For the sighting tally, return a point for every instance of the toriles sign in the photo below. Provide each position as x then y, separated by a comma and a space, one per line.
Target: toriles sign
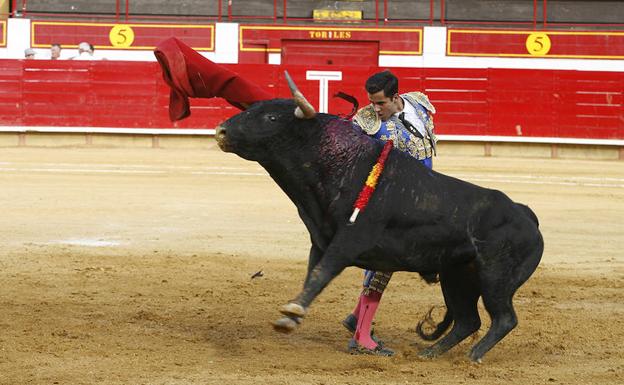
392, 41
337, 35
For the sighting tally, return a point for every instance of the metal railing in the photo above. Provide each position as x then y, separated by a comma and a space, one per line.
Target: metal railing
226, 11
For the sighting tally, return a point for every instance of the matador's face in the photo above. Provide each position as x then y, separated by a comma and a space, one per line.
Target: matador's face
384, 105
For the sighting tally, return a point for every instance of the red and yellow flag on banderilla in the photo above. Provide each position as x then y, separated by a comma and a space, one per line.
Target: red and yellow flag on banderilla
371, 182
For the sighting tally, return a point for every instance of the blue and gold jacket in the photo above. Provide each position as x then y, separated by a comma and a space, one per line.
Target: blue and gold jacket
419, 148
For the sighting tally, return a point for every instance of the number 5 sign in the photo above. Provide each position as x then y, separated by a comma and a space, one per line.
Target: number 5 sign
538, 44
121, 36
118, 36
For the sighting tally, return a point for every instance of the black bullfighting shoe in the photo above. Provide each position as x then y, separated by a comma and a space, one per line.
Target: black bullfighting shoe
379, 350
350, 323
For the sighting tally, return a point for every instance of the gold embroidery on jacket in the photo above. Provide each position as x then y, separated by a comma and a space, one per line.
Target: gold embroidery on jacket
379, 282
420, 98
420, 149
368, 120
412, 145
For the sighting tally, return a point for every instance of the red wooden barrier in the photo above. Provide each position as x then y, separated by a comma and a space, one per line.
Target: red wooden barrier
499, 102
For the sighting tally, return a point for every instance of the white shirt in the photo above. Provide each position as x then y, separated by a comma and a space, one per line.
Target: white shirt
412, 116
85, 56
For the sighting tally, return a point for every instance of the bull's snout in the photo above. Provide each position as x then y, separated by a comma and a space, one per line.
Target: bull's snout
221, 137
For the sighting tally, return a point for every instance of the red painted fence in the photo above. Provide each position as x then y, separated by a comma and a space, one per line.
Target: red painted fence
507, 102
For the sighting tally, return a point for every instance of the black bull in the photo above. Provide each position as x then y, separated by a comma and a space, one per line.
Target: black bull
478, 240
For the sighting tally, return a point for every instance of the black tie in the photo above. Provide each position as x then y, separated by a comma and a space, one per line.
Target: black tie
410, 127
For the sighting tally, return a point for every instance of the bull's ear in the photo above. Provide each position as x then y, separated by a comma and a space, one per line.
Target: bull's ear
304, 109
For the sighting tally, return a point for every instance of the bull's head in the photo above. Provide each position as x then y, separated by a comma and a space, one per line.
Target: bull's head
254, 133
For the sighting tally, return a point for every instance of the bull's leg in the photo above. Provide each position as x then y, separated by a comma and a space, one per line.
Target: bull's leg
342, 251
500, 282
289, 323
460, 287
504, 320
326, 270
495, 264
313, 259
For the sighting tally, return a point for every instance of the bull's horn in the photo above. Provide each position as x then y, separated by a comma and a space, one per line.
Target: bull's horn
304, 108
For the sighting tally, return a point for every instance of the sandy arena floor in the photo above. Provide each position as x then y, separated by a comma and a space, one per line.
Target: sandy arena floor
132, 266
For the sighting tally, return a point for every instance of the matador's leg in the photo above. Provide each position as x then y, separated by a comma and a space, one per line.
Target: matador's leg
361, 320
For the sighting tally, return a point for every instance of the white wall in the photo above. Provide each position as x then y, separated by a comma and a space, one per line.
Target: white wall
18, 39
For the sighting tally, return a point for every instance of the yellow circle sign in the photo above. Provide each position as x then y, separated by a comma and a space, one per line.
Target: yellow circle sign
121, 36
538, 44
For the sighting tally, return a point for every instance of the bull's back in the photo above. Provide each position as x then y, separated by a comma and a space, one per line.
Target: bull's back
526, 210
416, 194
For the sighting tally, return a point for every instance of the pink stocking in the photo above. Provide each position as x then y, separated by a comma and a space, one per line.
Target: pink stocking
367, 308
356, 311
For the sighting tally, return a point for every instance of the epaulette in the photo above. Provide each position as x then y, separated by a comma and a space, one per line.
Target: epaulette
368, 120
421, 99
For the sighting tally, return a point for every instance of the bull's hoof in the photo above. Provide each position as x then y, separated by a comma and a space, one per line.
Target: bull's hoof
292, 310
428, 353
474, 358
285, 325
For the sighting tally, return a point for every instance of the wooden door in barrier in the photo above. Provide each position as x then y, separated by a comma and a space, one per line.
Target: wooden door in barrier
338, 53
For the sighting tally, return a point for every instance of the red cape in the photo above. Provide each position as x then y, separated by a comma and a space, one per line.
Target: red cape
189, 74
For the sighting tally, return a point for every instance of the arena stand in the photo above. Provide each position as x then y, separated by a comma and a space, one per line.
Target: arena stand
542, 78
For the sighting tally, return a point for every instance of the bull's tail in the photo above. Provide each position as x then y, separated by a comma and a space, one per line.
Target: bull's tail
528, 212
440, 328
